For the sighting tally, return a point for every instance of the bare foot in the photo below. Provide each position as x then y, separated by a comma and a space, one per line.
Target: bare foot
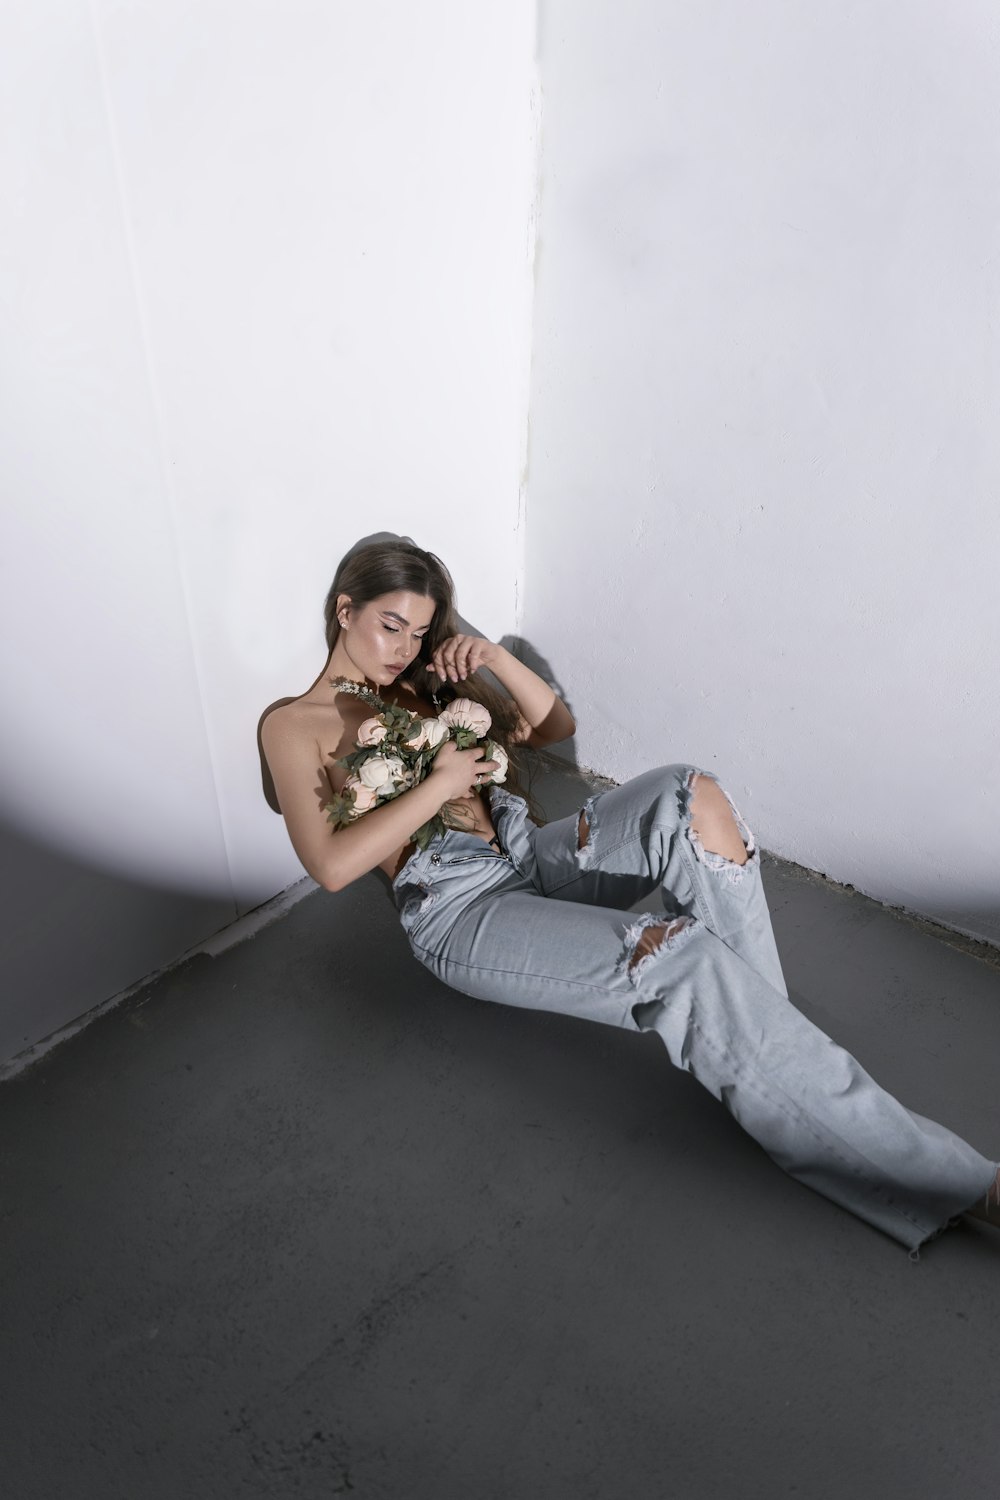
988, 1207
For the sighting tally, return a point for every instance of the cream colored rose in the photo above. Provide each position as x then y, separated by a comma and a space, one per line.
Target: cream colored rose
465, 713
364, 797
374, 772
371, 732
383, 773
435, 733
497, 752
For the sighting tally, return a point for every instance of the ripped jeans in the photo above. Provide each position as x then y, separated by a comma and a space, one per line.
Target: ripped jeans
544, 923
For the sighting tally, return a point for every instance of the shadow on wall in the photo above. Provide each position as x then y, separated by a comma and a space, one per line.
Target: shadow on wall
73, 936
563, 756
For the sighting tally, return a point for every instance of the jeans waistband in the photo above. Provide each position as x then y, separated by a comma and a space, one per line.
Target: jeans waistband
452, 844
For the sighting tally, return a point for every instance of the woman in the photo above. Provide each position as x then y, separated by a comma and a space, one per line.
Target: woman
505, 907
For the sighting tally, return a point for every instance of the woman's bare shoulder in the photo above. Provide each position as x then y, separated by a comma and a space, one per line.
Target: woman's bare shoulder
287, 723
293, 716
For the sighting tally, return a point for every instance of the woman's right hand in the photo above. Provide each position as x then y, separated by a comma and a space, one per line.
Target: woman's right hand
454, 772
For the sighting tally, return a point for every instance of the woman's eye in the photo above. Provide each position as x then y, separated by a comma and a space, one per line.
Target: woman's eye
391, 629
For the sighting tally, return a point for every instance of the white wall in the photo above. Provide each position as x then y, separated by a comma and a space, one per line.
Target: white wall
265, 289
764, 448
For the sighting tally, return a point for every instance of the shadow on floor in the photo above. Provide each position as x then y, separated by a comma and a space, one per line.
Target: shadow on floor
299, 1221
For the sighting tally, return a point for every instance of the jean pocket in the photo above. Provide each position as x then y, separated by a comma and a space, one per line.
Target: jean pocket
413, 900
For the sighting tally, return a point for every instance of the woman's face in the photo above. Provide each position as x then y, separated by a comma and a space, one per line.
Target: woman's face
384, 635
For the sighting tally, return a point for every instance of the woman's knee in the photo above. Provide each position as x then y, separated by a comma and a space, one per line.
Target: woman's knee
697, 801
716, 827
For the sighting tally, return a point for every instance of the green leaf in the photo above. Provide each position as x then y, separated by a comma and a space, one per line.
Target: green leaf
339, 811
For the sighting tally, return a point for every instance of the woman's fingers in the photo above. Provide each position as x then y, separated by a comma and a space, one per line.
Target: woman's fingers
485, 769
447, 659
458, 656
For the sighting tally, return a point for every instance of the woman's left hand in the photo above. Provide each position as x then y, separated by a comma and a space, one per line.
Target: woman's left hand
459, 655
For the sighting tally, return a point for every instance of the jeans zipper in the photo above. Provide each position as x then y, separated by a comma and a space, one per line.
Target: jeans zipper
464, 859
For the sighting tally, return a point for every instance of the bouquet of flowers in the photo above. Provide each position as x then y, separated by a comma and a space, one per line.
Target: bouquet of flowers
395, 751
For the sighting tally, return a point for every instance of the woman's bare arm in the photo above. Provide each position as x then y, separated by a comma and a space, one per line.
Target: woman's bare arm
335, 858
545, 719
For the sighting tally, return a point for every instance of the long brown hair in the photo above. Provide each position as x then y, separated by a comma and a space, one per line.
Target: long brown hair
400, 565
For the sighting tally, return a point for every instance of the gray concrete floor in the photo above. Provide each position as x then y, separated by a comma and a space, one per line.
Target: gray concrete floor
299, 1221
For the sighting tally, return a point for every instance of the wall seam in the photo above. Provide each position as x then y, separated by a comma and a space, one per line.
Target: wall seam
531, 251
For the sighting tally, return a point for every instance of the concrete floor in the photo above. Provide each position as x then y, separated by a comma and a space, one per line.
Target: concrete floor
298, 1221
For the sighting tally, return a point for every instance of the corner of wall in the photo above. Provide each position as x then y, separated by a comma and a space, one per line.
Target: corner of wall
533, 186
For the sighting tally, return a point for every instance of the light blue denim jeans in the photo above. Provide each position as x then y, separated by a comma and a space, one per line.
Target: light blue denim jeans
545, 924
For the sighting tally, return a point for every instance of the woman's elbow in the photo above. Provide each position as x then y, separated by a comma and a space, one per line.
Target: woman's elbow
334, 878
328, 876
554, 735
337, 877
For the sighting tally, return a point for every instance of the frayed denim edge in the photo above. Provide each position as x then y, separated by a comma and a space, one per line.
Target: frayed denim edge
914, 1254
993, 1189
677, 931
727, 868
584, 852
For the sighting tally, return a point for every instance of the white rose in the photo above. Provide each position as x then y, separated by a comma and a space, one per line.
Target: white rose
497, 752
435, 733
383, 773
364, 797
373, 773
371, 732
465, 713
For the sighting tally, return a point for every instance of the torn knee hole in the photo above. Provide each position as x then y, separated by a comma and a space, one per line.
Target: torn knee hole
584, 830
648, 943
715, 819
653, 938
